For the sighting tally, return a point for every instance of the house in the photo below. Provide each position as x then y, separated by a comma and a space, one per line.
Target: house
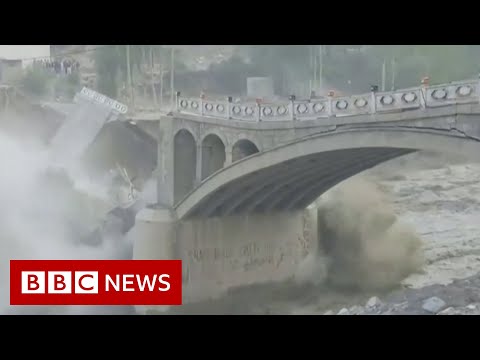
15, 58
24, 53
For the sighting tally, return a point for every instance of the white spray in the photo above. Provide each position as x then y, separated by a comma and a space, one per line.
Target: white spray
44, 217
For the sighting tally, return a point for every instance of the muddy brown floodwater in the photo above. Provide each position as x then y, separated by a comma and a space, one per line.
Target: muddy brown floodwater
442, 205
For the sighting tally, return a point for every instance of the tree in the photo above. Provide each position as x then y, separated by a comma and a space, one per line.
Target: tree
353, 68
111, 64
35, 81
229, 77
284, 63
442, 63
107, 66
67, 86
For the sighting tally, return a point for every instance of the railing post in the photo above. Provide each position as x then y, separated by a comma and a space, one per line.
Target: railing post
292, 106
229, 107
330, 95
373, 98
423, 91
259, 114
202, 98
177, 100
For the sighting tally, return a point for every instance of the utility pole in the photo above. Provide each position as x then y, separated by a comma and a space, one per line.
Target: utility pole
320, 67
310, 58
172, 84
393, 74
161, 84
154, 91
143, 69
129, 77
314, 67
384, 73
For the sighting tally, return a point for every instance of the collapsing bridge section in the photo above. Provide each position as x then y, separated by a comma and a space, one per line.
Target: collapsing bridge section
92, 111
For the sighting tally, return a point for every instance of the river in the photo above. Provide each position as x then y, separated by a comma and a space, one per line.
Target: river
438, 197
443, 206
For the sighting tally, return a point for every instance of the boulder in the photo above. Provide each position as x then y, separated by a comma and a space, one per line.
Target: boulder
433, 305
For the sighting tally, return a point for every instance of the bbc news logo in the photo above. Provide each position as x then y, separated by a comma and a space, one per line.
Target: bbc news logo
95, 282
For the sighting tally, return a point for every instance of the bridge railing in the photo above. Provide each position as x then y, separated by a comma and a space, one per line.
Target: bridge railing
460, 92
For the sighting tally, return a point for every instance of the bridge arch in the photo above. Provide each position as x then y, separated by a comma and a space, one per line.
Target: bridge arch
243, 148
213, 154
185, 160
291, 176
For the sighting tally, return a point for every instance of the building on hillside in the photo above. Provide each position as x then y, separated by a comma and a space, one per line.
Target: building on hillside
24, 53
15, 58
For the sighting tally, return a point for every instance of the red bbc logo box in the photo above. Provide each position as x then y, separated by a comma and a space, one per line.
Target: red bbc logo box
95, 282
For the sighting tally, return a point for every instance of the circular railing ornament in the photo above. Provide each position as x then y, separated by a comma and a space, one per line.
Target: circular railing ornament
220, 108
121, 108
86, 92
248, 111
302, 108
439, 94
282, 110
387, 100
341, 105
267, 111
208, 107
318, 108
194, 105
184, 104
464, 90
360, 103
236, 110
409, 97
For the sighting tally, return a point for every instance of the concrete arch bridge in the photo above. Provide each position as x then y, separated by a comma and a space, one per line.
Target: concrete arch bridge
234, 179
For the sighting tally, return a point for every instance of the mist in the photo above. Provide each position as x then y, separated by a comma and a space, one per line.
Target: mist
45, 214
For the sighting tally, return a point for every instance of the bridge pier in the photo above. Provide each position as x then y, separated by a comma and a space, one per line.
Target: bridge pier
198, 170
228, 155
225, 252
154, 237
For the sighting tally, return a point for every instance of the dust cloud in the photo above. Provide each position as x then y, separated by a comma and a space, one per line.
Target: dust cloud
44, 215
366, 246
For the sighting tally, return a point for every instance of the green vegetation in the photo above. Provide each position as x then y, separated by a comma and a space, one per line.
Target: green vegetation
39, 82
355, 67
111, 64
348, 68
106, 61
35, 81
67, 86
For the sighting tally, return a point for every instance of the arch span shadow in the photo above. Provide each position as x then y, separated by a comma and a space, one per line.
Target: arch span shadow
213, 155
243, 148
292, 176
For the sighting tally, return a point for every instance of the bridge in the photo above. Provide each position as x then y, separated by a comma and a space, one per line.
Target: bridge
234, 178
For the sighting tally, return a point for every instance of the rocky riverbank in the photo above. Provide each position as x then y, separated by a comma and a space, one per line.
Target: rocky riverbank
461, 297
